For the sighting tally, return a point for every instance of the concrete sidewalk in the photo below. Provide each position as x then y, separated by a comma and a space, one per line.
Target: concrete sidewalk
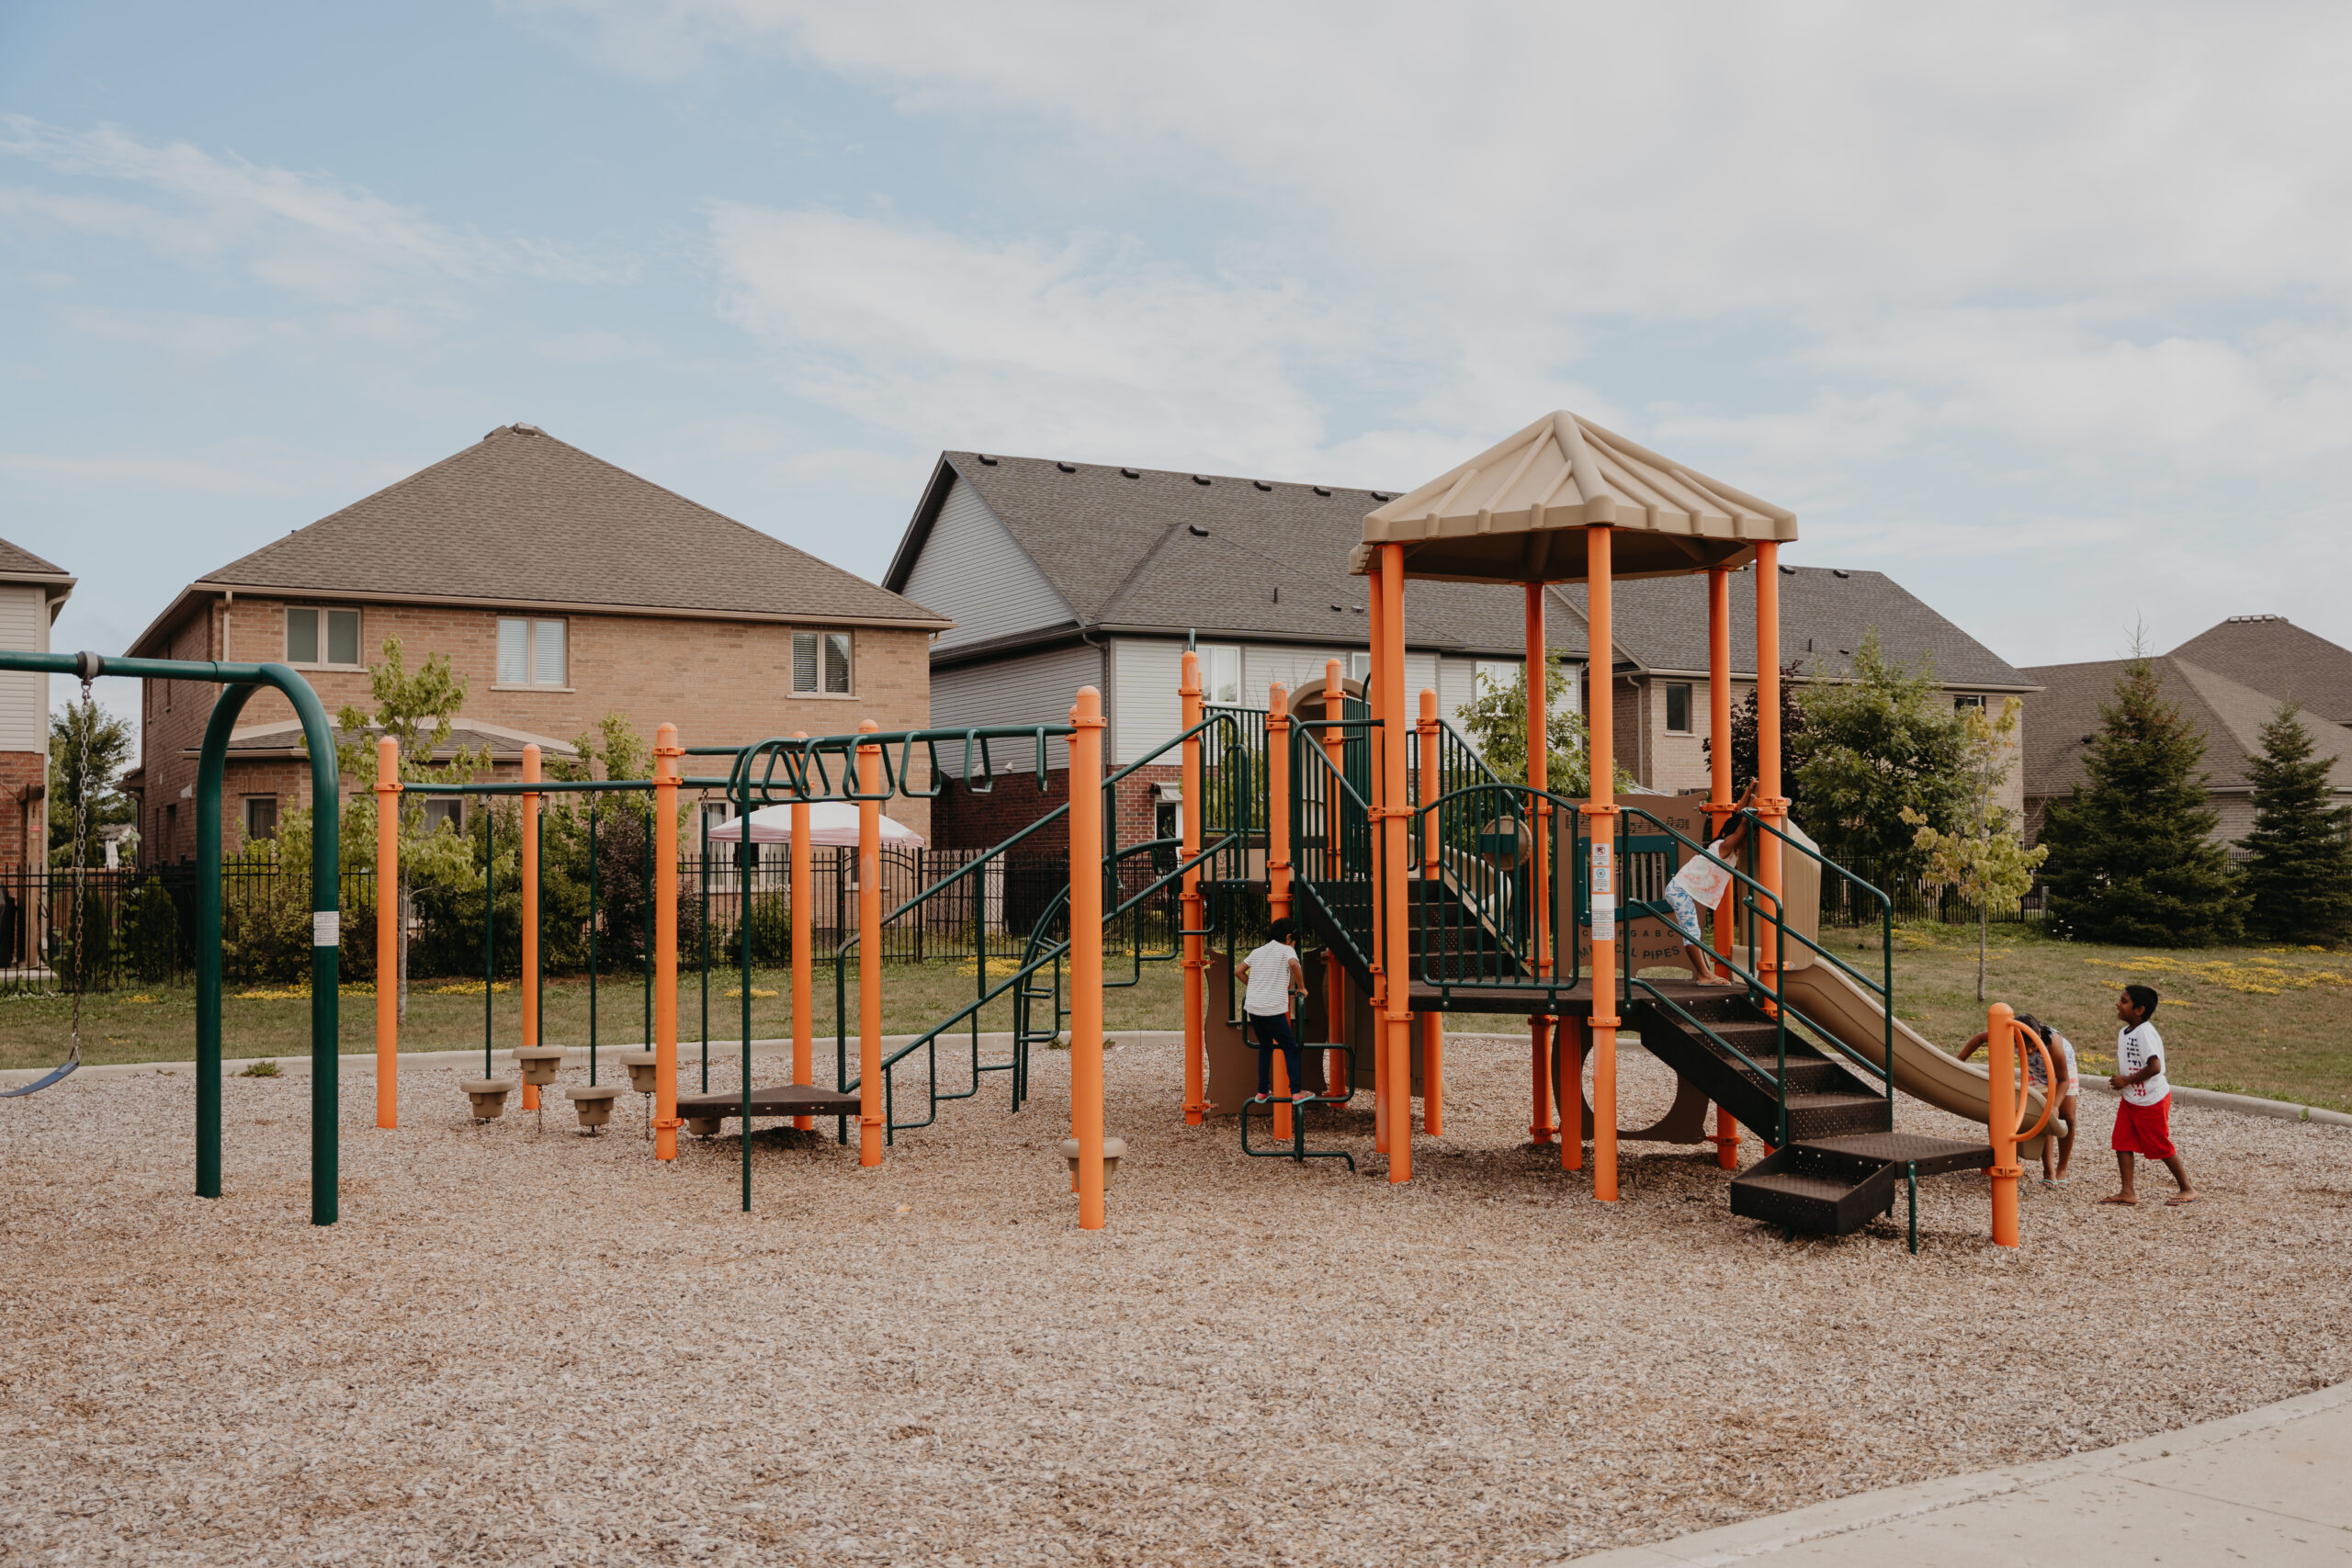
2272, 1486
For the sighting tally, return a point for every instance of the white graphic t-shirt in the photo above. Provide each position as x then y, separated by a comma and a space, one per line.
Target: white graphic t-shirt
1704, 879
1268, 993
2134, 1048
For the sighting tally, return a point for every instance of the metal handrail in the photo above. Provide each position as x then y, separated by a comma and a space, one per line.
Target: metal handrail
1885, 988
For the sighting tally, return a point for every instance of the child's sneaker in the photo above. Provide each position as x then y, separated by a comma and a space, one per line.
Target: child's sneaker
1261, 1098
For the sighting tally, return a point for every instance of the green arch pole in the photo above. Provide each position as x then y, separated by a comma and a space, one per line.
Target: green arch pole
326, 792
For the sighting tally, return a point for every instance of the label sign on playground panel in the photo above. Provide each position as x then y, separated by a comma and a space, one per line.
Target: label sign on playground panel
1604, 892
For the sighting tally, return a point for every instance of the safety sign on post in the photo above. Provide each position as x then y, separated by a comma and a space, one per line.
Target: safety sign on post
1604, 892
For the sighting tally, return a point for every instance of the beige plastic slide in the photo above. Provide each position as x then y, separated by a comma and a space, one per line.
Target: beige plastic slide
1846, 1010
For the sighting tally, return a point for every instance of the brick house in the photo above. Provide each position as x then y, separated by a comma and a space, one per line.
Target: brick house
562, 588
1060, 575
2228, 680
32, 591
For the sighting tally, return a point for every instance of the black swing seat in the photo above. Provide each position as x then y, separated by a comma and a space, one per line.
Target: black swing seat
55, 1074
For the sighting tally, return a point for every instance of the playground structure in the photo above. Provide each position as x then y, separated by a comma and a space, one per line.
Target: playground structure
1433, 885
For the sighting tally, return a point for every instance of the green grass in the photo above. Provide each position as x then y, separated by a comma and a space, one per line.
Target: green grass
2267, 1020
157, 1024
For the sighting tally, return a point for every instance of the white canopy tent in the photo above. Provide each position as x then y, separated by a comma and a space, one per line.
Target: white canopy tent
829, 822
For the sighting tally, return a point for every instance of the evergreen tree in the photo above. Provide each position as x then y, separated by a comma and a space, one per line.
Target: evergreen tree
2132, 858
2298, 857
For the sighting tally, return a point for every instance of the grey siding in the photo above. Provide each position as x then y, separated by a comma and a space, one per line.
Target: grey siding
970, 568
1036, 688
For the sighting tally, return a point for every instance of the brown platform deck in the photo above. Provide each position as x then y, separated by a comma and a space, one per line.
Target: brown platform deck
780, 1099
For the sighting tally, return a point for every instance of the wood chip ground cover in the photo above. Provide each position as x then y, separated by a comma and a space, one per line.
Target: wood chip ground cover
527, 1348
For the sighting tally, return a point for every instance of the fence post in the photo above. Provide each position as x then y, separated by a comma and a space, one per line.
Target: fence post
388, 925
527, 983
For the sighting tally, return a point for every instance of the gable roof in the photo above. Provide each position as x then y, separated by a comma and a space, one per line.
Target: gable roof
1516, 513
1154, 551
284, 739
1660, 626
2273, 655
18, 564
523, 519
2062, 717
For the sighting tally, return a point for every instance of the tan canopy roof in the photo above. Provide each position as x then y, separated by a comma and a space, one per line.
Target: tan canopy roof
1516, 513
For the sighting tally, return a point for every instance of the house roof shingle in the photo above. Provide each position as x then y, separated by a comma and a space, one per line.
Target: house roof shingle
1660, 623
2065, 714
1148, 549
2273, 655
522, 518
17, 561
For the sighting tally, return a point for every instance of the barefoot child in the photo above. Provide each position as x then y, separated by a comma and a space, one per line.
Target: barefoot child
2062, 1056
2143, 1116
1703, 881
1274, 976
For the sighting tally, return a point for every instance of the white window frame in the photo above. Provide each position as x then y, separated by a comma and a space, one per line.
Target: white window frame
1968, 700
530, 625
324, 643
825, 636
1220, 658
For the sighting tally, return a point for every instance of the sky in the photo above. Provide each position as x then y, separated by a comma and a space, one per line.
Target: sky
2040, 308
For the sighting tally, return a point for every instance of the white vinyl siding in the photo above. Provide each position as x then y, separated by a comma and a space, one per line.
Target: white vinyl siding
1146, 710
1294, 667
1036, 688
971, 571
1457, 687
24, 695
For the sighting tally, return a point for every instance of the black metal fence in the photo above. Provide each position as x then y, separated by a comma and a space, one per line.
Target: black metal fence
1914, 899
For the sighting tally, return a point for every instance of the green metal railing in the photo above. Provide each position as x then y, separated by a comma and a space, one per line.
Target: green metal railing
1475, 927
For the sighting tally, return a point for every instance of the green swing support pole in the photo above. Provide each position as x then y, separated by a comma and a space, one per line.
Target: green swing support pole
241, 682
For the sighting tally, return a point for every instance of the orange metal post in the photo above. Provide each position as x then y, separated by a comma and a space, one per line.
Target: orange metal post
1396, 1042
1719, 798
804, 958
1188, 904
1600, 725
530, 987
1539, 767
1337, 1067
388, 932
1432, 1024
1771, 804
1376, 688
666, 752
2000, 1031
1086, 951
869, 949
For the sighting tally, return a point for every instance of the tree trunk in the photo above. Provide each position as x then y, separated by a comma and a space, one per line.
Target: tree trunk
1980, 953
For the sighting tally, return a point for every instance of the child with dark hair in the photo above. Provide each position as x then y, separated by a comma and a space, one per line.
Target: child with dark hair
1274, 976
2143, 1116
2063, 1096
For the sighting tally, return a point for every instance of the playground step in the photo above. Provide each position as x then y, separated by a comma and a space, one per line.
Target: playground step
1834, 1186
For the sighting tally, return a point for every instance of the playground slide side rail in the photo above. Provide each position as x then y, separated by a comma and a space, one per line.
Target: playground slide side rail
1883, 987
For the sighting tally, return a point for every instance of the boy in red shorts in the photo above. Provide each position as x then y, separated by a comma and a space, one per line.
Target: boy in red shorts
2143, 1116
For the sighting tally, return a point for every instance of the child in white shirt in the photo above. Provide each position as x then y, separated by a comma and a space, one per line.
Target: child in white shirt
2061, 1057
1702, 881
2143, 1116
1274, 976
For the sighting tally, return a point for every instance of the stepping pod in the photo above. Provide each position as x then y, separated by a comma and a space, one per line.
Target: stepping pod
489, 1096
539, 1064
642, 1079
1113, 1150
593, 1106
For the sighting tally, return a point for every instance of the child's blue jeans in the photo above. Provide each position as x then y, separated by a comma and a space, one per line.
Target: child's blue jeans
1274, 1033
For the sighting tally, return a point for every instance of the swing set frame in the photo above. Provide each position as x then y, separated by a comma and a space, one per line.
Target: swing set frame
239, 683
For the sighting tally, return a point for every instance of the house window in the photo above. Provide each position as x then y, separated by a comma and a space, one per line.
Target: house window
1678, 708
1969, 700
1495, 675
1359, 666
322, 636
261, 817
820, 663
1221, 674
532, 653
445, 811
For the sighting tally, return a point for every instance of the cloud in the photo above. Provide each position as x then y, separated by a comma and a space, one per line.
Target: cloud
310, 236
1085, 348
135, 471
